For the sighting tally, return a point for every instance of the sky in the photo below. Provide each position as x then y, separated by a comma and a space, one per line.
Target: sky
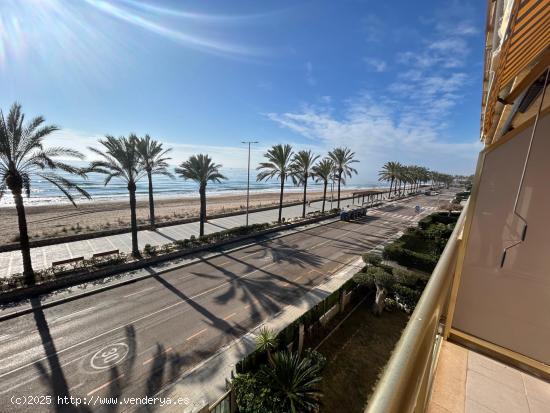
395, 80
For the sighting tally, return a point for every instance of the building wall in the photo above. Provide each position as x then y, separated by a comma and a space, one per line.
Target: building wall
510, 306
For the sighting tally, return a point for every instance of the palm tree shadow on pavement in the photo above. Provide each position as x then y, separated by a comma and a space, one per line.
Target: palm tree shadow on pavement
215, 321
54, 379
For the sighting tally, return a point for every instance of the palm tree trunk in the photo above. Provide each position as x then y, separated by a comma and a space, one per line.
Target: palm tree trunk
281, 199
305, 192
339, 181
391, 185
202, 217
324, 196
151, 200
133, 219
24, 238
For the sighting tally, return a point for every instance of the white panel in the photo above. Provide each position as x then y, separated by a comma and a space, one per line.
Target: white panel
510, 306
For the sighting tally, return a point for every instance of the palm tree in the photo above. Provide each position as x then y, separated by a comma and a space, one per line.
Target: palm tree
267, 341
389, 172
154, 159
277, 166
302, 170
121, 160
201, 169
401, 178
293, 380
22, 158
342, 158
323, 172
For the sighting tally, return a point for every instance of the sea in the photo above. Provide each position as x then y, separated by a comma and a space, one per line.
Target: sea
44, 193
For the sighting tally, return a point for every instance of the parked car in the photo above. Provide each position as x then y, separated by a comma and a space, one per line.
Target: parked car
348, 215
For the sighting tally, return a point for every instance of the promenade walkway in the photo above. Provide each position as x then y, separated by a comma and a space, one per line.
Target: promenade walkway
42, 257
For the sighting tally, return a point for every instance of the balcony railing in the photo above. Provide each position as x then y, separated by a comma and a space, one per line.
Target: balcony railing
406, 382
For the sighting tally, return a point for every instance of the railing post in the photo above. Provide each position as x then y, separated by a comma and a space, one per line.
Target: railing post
300, 338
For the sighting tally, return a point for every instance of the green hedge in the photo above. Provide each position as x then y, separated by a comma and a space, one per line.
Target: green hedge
409, 258
406, 295
438, 218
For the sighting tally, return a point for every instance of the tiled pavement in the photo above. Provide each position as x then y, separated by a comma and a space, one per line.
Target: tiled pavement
468, 382
42, 257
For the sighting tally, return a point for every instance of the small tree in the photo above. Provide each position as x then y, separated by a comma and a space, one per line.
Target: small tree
302, 170
382, 280
266, 340
155, 162
278, 165
372, 258
120, 159
292, 380
323, 171
23, 158
342, 158
201, 169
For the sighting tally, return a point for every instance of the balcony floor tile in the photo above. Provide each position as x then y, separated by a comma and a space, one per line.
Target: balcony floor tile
466, 381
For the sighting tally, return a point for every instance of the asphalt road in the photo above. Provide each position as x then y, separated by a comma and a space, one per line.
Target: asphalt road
134, 339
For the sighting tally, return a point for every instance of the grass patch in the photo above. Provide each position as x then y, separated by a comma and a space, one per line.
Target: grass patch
356, 356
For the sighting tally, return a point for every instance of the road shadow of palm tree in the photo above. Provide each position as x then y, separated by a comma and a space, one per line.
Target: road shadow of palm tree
50, 371
273, 254
169, 366
263, 294
211, 318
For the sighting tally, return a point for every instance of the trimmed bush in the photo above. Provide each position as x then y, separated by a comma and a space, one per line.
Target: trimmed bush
408, 258
372, 258
407, 296
150, 250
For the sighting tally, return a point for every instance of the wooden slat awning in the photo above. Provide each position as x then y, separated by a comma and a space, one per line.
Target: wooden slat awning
528, 38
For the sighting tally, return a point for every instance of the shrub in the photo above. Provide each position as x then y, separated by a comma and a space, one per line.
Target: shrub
390, 304
407, 296
438, 230
405, 277
408, 258
316, 358
252, 396
149, 250
375, 276
372, 258
181, 243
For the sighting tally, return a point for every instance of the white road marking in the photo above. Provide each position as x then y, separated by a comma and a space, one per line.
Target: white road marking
86, 310
168, 350
104, 385
196, 334
138, 292
229, 316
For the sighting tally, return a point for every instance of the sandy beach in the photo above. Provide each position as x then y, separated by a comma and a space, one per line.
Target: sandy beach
63, 219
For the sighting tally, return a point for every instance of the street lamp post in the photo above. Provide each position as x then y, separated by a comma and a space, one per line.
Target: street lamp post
248, 179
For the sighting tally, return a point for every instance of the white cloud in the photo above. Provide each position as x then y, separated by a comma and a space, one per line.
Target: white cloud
378, 65
228, 156
379, 132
